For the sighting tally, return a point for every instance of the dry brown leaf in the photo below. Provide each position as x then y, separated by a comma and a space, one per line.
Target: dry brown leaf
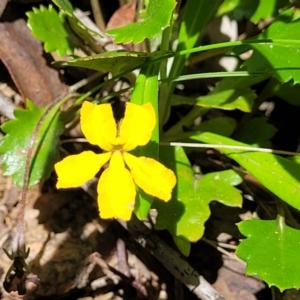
234, 284
21, 53
2, 6
123, 16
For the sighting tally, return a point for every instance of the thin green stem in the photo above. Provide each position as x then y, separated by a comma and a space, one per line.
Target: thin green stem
163, 91
282, 42
226, 46
213, 75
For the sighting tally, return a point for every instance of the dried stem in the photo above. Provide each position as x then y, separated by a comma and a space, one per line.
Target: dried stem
122, 258
172, 260
112, 273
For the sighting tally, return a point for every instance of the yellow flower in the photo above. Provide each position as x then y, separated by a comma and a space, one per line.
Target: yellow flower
116, 186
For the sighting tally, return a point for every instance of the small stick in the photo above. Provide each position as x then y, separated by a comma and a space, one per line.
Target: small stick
111, 272
222, 250
122, 258
172, 260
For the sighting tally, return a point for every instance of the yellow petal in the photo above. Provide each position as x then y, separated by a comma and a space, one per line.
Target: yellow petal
137, 126
153, 177
98, 125
116, 190
75, 170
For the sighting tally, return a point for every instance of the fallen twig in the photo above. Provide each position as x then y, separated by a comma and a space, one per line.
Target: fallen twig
110, 275
122, 258
172, 260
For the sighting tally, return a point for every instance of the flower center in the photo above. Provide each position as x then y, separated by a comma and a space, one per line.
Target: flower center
118, 148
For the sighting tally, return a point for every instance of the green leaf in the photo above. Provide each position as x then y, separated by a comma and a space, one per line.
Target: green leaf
49, 27
239, 84
14, 145
281, 60
271, 251
185, 214
229, 94
248, 133
77, 26
158, 17
229, 99
227, 6
65, 6
281, 176
220, 125
255, 10
196, 15
183, 245
264, 10
146, 90
115, 61
295, 159
288, 92
241, 9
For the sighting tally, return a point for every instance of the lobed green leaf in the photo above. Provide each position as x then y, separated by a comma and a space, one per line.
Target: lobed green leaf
85, 33
248, 132
255, 10
185, 214
271, 251
288, 92
49, 27
158, 17
279, 59
14, 145
115, 62
280, 175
